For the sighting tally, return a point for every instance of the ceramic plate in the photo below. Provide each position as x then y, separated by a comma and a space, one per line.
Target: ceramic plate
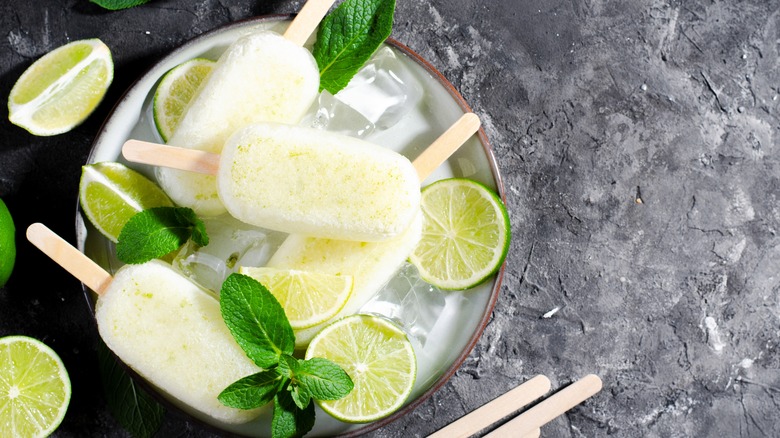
464, 314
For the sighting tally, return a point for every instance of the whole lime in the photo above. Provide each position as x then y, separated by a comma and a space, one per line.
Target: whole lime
7, 244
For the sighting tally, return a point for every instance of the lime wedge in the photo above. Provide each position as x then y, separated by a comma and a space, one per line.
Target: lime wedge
111, 193
7, 244
175, 91
34, 388
308, 298
379, 359
62, 88
465, 234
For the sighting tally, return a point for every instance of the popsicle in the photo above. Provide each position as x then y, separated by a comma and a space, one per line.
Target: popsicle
371, 264
304, 180
262, 76
161, 325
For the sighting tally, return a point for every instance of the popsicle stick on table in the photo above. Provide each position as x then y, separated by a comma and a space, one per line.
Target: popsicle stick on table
162, 326
531, 420
496, 409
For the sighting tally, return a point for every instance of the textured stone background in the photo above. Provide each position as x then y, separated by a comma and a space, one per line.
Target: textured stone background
638, 141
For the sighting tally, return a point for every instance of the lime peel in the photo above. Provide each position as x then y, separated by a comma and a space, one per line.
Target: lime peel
46, 105
466, 234
35, 389
379, 359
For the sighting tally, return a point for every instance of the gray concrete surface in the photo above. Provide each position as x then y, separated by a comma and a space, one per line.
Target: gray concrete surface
638, 141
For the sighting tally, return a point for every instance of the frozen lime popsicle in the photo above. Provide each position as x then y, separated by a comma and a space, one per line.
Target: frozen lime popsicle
371, 264
261, 77
305, 181
161, 325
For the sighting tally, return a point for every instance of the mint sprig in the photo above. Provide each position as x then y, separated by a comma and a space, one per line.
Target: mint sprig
115, 5
347, 38
261, 328
157, 231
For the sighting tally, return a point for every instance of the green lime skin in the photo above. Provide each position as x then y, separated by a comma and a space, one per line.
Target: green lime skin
7, 244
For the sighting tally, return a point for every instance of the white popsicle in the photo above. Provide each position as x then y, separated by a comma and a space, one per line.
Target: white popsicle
305, 181
260, 77
371, 264
161, 325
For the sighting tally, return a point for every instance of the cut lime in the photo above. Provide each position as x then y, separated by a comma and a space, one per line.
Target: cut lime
111, 193
61, 89
7, 244
378, 357
34, 388
465, 234
175, 91
308, 298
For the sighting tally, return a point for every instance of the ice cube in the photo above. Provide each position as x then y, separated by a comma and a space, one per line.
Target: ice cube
409, 301
383, 91
231, 244
378, 96
329, 113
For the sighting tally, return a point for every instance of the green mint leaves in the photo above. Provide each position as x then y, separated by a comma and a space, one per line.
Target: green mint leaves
155, 232
258, 323
348, 37
256, 320
115, 5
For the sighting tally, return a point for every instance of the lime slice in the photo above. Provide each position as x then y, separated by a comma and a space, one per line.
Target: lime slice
175, 91
34, 388
378, 357
465, 234
111, 193
7, 244
62, 88
308, 298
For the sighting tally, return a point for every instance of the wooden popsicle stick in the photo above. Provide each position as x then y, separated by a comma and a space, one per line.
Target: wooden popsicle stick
496, 409
155, 154
550, 408
78, 264
536, 433
307, 20
444, 146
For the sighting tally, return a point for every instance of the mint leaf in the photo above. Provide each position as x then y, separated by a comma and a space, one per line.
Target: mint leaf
115, 5
289, 420
155, 232
322, 379
252, 391
348, 37
256, 320
132, 407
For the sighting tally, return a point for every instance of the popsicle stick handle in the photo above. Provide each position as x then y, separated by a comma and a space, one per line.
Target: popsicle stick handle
307, 20
444, 146
496, 409
550, 408
79, 265
174, 157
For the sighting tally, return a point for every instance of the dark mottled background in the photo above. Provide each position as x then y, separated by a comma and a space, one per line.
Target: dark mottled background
638, 141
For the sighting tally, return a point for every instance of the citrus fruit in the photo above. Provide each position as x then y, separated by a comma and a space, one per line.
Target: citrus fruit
62, 88
379, 359
111, 193
175, 91
465, 234
34, 388
308, 298
7, 244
